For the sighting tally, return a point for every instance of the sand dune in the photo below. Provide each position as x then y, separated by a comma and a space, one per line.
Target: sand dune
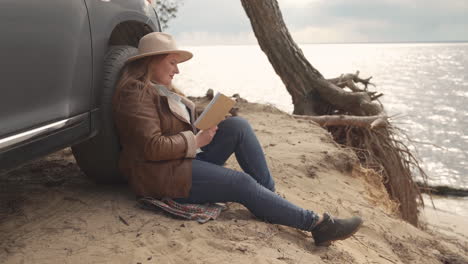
50, 213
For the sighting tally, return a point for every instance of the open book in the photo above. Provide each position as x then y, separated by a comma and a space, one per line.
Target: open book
214, 112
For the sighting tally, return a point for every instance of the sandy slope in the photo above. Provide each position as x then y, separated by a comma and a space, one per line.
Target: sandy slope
50, 213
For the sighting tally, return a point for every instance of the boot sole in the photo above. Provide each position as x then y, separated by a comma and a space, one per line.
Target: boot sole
328, 242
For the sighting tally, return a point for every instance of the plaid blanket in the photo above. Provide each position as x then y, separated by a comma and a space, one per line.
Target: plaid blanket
199, 212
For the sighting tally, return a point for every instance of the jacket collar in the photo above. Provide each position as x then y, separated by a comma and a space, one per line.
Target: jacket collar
172, 102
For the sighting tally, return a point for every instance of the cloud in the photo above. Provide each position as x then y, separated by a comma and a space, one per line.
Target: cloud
196, 38
225, 22
349, 32
295, 3
220, 16
384, 20
342, 32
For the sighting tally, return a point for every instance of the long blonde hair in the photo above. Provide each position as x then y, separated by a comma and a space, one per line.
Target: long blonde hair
138, 74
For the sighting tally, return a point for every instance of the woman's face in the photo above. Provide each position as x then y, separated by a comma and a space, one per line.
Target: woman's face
163, 69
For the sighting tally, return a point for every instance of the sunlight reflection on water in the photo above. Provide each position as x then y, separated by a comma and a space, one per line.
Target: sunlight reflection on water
426, 83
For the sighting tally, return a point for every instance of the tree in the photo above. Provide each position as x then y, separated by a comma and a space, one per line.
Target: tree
378, 145
311, 93
167, 10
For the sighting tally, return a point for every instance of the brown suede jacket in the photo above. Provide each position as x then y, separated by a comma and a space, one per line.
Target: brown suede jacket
158, 143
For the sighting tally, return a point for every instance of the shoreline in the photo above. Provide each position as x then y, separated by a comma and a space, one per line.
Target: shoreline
448, 216
455, 42
443, 190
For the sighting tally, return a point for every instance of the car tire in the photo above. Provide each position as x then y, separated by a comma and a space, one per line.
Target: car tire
98, 156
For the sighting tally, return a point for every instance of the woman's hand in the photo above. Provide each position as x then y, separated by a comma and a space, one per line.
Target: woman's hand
204, 137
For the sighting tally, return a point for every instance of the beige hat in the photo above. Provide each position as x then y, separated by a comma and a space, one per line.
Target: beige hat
159, 43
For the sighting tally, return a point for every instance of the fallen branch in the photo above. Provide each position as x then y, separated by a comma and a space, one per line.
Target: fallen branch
442, 190
349, 80
345, 120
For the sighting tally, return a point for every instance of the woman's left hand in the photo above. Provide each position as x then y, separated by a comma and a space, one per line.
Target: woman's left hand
204, 137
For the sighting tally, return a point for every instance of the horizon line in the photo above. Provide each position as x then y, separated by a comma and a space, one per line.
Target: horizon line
357, 42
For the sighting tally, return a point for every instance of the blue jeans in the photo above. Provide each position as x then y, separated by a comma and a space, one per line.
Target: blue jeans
254, 188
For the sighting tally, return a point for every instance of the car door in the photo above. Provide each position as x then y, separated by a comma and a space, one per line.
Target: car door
45, 63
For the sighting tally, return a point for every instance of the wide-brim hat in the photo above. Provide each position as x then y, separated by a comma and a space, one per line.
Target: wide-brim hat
156, 43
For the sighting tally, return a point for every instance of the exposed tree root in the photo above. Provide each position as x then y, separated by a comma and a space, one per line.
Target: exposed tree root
381, 150
346, 120
378, 146
349, 80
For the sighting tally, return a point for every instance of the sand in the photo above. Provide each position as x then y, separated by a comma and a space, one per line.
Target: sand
51, 213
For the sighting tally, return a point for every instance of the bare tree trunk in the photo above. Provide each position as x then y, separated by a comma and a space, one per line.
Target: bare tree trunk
311, 93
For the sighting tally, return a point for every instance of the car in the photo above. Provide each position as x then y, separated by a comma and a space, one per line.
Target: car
60, 60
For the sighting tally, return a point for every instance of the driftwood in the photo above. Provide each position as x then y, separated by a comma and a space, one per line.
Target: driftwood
444, 190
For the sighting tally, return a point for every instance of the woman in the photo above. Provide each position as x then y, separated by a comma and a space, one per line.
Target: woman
159, 148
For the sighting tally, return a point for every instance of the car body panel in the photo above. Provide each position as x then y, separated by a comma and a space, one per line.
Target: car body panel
51, 67
46, 62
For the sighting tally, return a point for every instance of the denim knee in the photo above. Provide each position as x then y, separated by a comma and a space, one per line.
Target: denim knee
243, 184
271, 186
237, 123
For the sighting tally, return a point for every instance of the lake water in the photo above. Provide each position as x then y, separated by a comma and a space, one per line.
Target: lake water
426, 84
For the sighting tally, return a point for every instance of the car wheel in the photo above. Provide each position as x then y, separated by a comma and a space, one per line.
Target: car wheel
98, 156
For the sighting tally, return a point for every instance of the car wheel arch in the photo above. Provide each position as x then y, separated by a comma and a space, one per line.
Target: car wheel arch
128, 33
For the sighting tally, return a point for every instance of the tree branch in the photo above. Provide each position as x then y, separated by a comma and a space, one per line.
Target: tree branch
352, 78
357, 103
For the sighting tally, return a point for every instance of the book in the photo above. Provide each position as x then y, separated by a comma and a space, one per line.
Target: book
214, 112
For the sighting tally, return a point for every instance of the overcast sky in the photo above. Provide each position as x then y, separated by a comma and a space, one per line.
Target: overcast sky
201, 22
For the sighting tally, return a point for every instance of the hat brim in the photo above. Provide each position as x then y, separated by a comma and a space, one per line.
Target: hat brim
183, 55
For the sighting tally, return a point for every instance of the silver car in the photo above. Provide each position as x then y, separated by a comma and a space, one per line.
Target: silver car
59, 61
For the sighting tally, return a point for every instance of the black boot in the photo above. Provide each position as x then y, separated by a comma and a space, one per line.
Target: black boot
331, 229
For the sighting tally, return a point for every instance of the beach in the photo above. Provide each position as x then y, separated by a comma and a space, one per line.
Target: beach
51, 213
